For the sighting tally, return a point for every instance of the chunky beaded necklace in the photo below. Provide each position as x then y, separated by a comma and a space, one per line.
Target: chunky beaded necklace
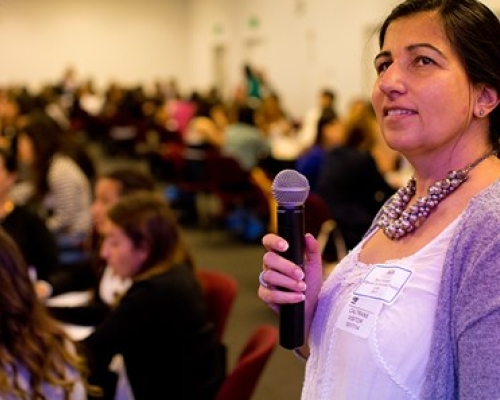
396, 221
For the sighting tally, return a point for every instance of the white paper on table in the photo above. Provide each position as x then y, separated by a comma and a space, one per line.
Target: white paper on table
70, 299
76, 332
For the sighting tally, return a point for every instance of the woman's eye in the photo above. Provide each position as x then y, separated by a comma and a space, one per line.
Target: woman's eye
423, 60
382, 66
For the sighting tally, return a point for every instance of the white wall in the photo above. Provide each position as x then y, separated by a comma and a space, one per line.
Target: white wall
132, 41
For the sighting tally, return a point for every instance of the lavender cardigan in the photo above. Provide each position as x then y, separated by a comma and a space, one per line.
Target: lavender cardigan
464, 358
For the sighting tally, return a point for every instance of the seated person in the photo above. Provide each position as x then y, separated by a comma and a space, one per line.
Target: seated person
38, 360
59, 178
36, 243
109, 188
329, 134
244, 141
163, 316
351, 182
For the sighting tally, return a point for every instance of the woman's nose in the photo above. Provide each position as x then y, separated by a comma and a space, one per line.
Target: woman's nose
391, 82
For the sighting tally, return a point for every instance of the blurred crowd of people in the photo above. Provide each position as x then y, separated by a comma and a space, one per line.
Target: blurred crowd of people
179, 134
211, 160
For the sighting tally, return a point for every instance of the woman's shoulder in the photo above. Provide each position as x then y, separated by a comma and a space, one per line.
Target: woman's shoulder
175, 279
480, 220
175, 287
50, 391
64, 166
485, 204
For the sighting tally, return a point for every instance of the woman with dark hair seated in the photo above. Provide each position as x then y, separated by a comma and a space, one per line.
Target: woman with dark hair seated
160, 326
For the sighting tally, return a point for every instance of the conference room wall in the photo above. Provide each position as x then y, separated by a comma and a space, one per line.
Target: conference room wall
131, 41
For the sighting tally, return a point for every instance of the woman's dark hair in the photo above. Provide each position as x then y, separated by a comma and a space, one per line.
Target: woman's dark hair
9, 157
149, 222
131, 180
246, 115
328, 116
358, 126
48, 139
474, 32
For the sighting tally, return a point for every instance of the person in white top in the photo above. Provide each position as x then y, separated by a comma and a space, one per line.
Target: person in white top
306, 135
60, 178
412, 312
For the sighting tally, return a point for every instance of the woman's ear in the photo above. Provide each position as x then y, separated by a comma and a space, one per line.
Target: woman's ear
487, 100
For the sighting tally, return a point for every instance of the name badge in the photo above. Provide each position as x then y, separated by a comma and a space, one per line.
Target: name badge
359, 316
384, 283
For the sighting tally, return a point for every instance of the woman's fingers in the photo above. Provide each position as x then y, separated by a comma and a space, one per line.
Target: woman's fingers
273, 242
273, 296
278, 279
282, 281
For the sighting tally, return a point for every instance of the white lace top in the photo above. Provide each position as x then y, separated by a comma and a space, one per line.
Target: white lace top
375, 344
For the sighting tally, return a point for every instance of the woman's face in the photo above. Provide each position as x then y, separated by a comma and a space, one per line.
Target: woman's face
422, 96
107, 193
119, 251
332, 134
25, 150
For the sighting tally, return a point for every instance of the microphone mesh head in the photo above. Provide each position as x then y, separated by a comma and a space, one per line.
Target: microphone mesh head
290, 188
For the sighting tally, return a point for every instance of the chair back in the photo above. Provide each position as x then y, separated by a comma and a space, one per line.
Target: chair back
242, 380
227, 174
220, 290
320, 223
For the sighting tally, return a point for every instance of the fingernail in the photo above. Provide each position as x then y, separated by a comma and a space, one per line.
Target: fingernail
283, 245
298, 273
302, 286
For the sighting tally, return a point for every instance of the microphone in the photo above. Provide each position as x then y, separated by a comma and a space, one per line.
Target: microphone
290, 190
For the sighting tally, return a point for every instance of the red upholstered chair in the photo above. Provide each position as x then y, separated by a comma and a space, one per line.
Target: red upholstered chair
220, 290
242, 380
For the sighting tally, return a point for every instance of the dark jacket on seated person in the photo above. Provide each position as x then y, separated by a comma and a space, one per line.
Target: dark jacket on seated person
354, 189
162, 330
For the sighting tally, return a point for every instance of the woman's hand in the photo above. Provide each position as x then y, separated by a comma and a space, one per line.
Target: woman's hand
43, 289
279, 273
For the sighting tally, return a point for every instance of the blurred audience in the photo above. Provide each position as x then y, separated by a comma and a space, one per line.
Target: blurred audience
329, 133
35, 241
272, 118
244, 141
351, 182
203, 135
361, 126
307, 133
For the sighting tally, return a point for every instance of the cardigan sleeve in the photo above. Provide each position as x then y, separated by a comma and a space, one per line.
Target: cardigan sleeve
477, 324
475, 303
464, 360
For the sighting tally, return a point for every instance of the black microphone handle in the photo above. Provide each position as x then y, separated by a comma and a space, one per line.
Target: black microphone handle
291, 320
